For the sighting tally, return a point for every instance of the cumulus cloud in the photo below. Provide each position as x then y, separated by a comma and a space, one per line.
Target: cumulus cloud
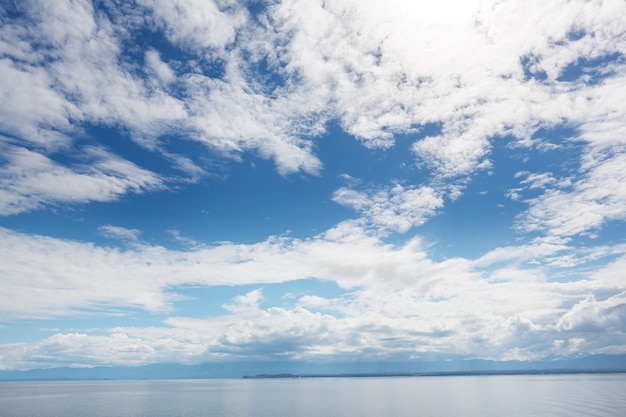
592, 315
397, 301
198, 25
397, 209
80, 350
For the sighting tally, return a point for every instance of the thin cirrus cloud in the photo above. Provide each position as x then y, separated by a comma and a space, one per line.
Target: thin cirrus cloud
190, 87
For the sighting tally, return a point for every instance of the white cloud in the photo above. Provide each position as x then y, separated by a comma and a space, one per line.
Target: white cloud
30, 180
198, 25
537, 250
161, 70
595, 198
33, 110
246, 303
591, 315
397, 209
80, 350
72, 77
87, 79
534, 181
377, 69
380, 66
398, 303
117, 232
228, 117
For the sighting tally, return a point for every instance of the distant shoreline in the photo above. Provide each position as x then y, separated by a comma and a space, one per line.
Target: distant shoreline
596, 364
445, 373
342, 375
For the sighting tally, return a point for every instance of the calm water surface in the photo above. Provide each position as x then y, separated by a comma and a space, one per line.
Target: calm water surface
480, 396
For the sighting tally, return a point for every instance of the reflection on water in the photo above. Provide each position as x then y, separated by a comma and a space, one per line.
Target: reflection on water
480, 396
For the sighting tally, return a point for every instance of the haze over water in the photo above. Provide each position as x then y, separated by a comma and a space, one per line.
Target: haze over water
484, 396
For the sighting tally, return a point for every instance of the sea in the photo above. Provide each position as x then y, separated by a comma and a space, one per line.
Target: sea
433, 396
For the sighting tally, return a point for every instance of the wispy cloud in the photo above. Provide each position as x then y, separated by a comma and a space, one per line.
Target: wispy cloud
31, 180
596, 197
117, 232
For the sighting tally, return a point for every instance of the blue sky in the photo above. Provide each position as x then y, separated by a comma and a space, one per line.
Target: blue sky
191, 181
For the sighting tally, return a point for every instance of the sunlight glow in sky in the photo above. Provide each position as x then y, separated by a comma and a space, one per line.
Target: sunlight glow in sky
188, 181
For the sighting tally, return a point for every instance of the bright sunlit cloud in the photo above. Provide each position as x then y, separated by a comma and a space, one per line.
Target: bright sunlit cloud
452, 11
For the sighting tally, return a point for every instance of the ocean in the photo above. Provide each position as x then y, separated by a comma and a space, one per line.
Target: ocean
428, 396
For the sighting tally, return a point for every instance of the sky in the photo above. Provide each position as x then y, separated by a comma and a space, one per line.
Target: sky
197, 181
